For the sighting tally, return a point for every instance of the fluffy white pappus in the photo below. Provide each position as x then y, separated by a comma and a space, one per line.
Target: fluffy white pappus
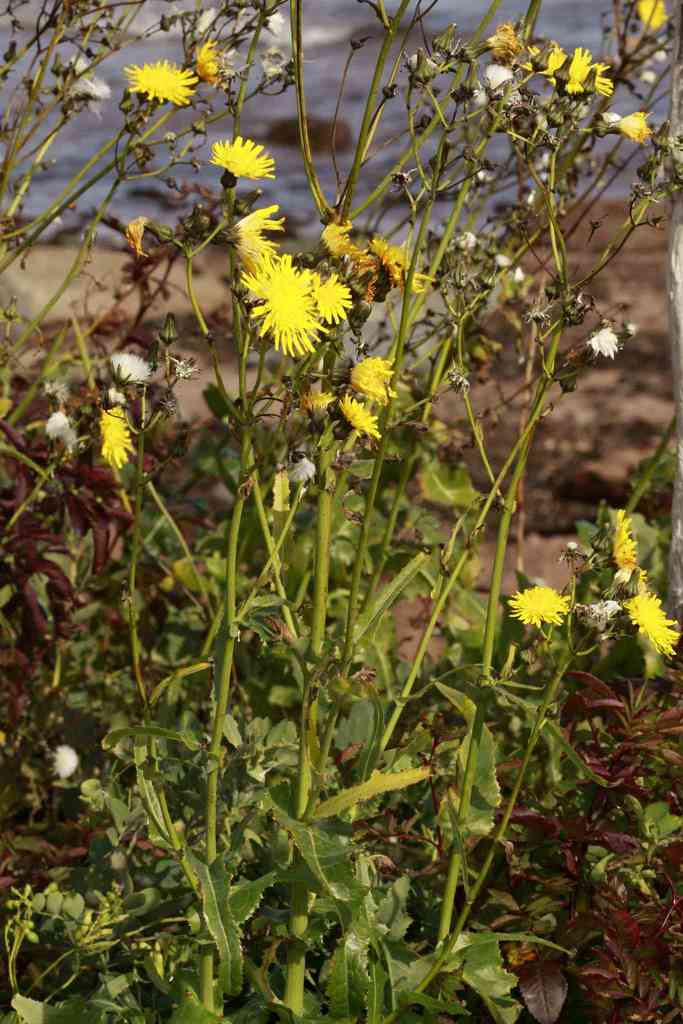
604, 343
116, 397
302, 471
65, 761
600, 613
130, 368
58, 428
467, 241
497, 75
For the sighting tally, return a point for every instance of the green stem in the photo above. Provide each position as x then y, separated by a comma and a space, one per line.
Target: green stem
135, 554
296, 16
653, 465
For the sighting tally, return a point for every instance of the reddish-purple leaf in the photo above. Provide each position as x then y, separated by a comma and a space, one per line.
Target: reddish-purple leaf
544, 990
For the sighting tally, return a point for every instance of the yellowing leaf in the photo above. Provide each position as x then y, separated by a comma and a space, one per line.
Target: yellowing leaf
376, 784
281, 491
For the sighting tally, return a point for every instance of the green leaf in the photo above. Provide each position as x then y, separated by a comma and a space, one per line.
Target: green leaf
483, 971
375, 997
147, 731
348, 981
387, 596
449, 486
486, 794
73, 1011
435, 1005
380, 782
246, 896
191, 1011
214, 882
553, 731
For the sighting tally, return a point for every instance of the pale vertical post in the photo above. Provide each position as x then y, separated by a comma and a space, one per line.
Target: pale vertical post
675, 291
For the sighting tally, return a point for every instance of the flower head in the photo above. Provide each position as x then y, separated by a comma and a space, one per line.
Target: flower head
652, 13
603, 85
134, 232
579, 70
604, 343
505, 44
162, 81
497, 75
130, 368
243, 158
645, 611
288, 308
359, 417
599, 614
333, 298
116, 440
634, 126
310, 401
207, 62
394, 261
538, 605
302, 471
624, 550
335, 238
65, 761
372, 376
556, 59
58, 428
248, 236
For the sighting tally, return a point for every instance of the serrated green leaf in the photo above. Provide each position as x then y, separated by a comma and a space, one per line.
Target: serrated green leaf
348, 981
191, 1011
375, 997
73, 1011
214, 882
387, 596
380, 782
483, 970
434, 1005
147, 732
449, 486
246, 896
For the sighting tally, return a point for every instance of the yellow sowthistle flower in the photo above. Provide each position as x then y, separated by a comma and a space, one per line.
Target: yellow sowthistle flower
359, 417
335, 238
645, 611
333, 298
394, 261
371, 377
579, 69
311, 401
116, 440
624, 550
634, 127
505, 44
162, 81
652, 13
288, 310
134, 232
556, 59
248, 236
243, 158
603, 85
538, 605
207, 62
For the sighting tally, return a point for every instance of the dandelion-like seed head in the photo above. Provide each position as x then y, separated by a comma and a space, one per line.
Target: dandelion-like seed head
537, 606
162, 81
65, 761
116, 439
130, 368
645, 611
302, 471
58, 428
207, 62
243, 158
333, 298
604, 343
372, 377
249, 240
288, 309
359, 417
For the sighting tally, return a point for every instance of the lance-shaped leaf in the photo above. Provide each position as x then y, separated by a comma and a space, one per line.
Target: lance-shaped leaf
245, 896
348, 981
214, 882
380, 782
384, 600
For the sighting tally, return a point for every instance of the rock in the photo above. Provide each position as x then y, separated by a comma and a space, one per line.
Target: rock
285, 132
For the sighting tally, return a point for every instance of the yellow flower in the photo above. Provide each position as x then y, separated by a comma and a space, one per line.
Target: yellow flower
394, 261
207, 62
134, 232
333, 298
248, 237
359, 417
634, 127
288, 310
603, 84
243, 158
537, 605
624, 550
556, 58
579, 70
371, 377
335, 238
652, 13
645, 611
162, 81
312, 400
116, 441
504, 44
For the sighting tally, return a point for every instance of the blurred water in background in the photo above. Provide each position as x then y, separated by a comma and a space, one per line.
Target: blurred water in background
329, 25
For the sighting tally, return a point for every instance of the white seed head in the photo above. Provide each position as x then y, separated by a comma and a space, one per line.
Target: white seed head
518, 275
65, 761
116, 397
497, 75
131, 368
467, 241
302, 471
58, 428
502, 260
604, 343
